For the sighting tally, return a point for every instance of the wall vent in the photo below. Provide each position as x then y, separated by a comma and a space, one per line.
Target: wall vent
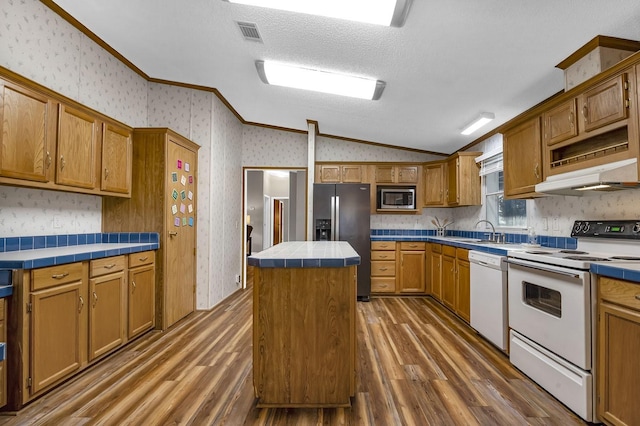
249, 31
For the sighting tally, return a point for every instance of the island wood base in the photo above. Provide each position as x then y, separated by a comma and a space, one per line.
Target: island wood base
304, 336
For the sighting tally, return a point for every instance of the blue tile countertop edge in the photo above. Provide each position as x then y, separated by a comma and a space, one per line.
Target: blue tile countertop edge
623, 271
6, 291
306, 254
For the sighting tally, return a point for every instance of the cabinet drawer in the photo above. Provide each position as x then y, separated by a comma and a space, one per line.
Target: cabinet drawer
142, 258
106, 265
449, 251
383, 285
462, 254
383, 255
55, 275
412, 245
384, 268
620, 292
436, 248
383, 245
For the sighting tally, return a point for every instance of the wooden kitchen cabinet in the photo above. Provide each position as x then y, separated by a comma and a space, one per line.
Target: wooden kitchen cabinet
560, 123
605, 103
28, 121
435, 270
463, 180
383, 267
116, 159
141, 302
163, 200
340, 173
397, 174
76, 152
412, 267
522, 156
107, 297
618, 344
3, 363
434, 180
463, 285
449, 277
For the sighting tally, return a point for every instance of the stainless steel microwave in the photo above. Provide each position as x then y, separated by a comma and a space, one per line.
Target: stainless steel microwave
397, 197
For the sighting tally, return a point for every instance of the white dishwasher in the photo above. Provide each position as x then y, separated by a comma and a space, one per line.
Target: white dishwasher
489, 310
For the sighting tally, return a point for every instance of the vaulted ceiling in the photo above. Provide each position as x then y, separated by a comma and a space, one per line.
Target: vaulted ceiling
449, 62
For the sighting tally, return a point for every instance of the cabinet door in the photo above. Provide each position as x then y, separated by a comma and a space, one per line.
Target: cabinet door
453, 167
385, 174
434, 184
77, 135
412, 272
604, 104
116, 159
141, 300
28, 133
448, 282
560, 123
351, 173
180, 254
55, 334
407, 174
436, 273
522, 158
330, 173
106, 320
463, 290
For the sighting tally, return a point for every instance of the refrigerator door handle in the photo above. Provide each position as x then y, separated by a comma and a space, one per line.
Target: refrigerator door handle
333, 218
337, 217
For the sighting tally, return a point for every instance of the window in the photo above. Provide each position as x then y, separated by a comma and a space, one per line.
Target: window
499, 211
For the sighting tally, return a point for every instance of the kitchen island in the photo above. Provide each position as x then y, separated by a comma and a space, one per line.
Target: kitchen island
304, 326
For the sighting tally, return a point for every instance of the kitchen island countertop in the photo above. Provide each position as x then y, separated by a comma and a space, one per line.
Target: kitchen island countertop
306, 254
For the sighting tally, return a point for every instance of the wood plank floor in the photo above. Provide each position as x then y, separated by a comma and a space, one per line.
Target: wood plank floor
418, 365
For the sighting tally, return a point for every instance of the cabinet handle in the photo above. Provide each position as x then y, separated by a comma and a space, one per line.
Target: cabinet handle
106, 174
81, 304
142, 259
383, 257
536, 170
133, 284
383, 269
571, 118
413, 245
585, 112
62, 162
48, 159
173, 234
59, 276
95, 299
637, 296
110, 266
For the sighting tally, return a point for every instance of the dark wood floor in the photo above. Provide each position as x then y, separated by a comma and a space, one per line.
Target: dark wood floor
418, 365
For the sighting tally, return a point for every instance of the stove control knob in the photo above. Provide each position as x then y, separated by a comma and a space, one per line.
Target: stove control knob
586, 228
577, 227
636, 228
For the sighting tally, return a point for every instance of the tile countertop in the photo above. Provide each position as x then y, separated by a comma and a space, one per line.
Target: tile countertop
306, 254
629, 271
466, 243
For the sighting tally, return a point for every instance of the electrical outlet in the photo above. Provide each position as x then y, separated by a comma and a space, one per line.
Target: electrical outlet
556, 224
57, 222
238, 278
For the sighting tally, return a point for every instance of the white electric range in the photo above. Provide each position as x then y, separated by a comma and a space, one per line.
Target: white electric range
552, 305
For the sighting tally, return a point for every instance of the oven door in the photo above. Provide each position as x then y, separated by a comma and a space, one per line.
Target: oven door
551, 305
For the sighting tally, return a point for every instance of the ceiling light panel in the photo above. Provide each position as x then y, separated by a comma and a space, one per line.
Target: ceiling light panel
380, 12
478, 122
279, 74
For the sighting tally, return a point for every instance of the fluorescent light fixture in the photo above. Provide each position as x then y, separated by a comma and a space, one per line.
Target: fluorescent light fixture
278, 173
592, 187
319, 81
478, 122
380, 12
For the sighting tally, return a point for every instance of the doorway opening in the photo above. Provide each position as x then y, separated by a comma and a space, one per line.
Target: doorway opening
274, 209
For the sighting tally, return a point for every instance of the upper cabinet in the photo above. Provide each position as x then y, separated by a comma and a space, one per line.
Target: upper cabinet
522, 157
396, 174
434, 179
560, 123
28, 121
340, 173
606, 103
52, 142
463, 180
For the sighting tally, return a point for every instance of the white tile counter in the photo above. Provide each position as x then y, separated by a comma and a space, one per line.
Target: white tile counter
306, 254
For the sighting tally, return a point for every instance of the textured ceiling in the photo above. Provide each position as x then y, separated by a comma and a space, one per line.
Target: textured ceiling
450, 61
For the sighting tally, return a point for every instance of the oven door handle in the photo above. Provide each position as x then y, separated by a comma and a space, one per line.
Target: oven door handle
542, 268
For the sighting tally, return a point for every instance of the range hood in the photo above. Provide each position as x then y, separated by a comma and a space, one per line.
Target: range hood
607, 177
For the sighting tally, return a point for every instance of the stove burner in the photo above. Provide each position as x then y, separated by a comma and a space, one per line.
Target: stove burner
573, 251
587, 258
538, 252
624, 258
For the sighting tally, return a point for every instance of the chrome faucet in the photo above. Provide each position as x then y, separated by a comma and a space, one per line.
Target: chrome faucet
493, 228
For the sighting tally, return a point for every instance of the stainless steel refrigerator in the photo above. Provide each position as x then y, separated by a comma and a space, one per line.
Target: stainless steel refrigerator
341, 212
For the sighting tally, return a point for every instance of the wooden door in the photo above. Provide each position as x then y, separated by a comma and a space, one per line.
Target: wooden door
55, 334
385, 174
106, 322
434, 184
463, 289
448, 282
436, 271
141, 313
330, 173
522, 158
351, 173
407, 174
453, 167
278, 215
180, 250
76, 157
28, 133
116, 159
560, 123
604, 104
412, 272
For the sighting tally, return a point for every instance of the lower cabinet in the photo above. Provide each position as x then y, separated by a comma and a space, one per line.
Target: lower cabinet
618, 345
398, 267
455, 279
449, 277
3, 363
411, 267
68, 316
383, 267
435, 270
